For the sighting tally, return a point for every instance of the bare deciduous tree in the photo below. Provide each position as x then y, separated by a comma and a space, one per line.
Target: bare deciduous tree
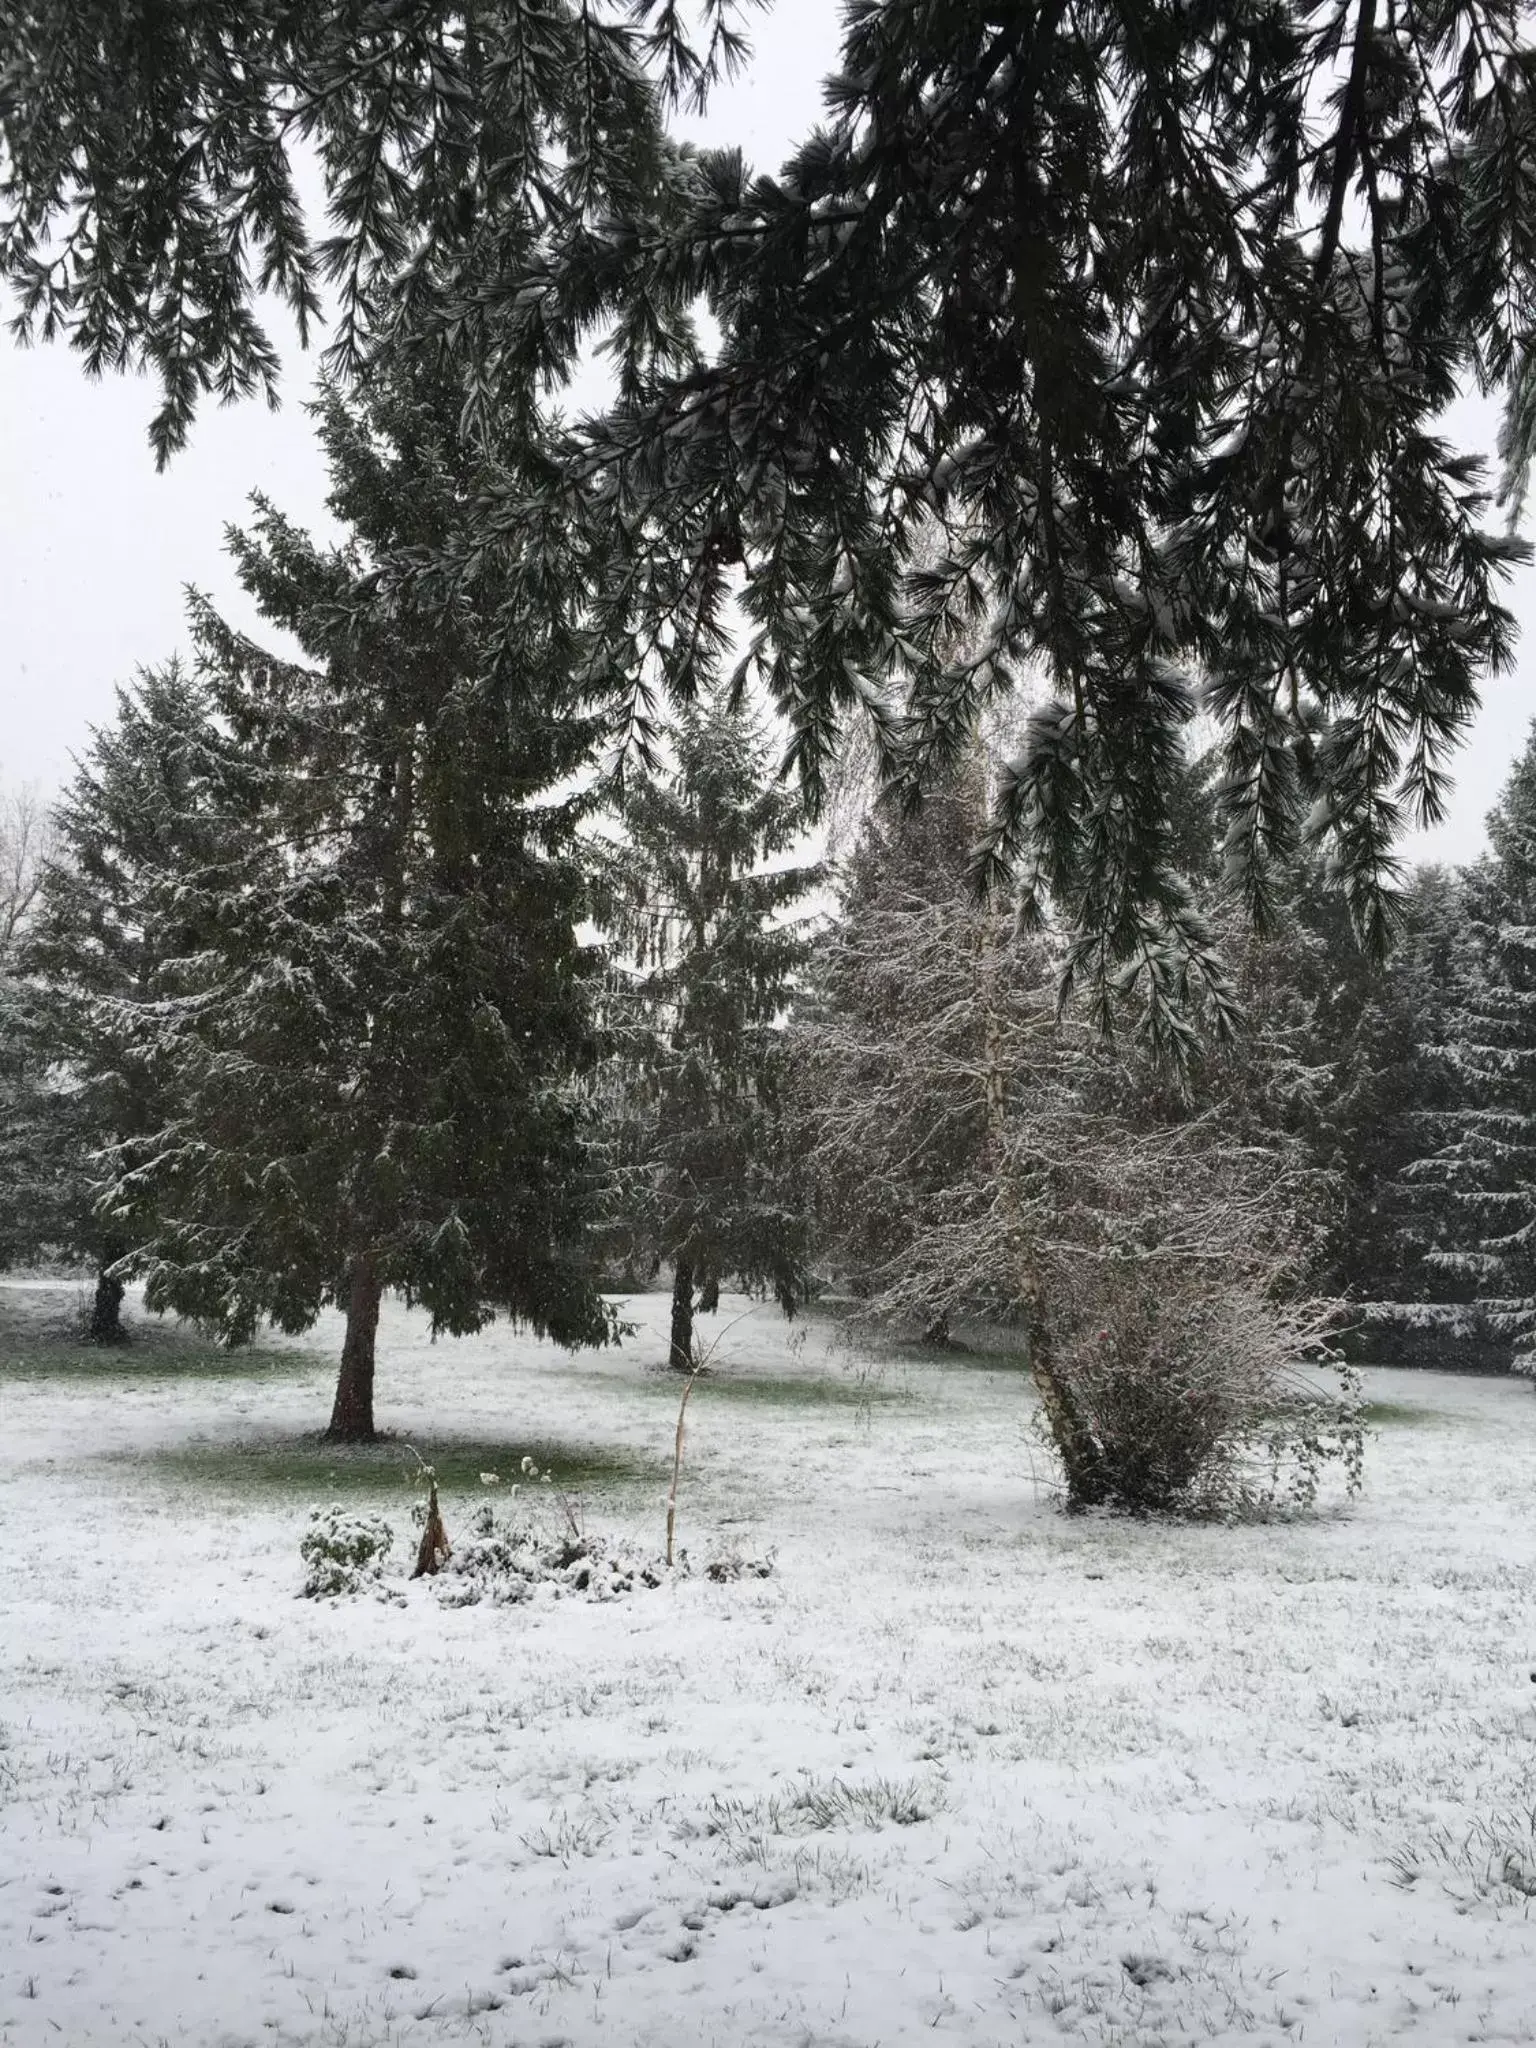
26, 847
975, 1153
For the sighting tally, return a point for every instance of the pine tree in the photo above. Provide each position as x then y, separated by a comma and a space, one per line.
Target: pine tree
1480, 1173
374, 1029
698, 901
1146, 316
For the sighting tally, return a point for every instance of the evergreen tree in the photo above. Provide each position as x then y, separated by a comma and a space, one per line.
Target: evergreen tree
373, 1033
1148, 314
1389, 1080
1480, 1175
29, 1162
1332, 1055
1329, 1058
698, 899
127, 826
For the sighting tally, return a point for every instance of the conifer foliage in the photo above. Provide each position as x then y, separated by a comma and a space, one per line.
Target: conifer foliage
699, 902
375, 1026
148, 159
1145, 314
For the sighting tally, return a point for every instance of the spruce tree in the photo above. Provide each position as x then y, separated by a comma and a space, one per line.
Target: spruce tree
1479, 1171
1330, 1058
374, 1038
1121, 335
1389, 1082
129, 823
698, 901
30, 1165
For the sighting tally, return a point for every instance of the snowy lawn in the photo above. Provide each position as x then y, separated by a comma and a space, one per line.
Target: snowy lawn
960, 1769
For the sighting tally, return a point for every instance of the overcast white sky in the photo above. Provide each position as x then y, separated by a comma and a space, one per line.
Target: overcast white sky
96, 549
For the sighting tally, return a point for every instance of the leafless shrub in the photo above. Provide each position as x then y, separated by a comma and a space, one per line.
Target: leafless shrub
1191, 1395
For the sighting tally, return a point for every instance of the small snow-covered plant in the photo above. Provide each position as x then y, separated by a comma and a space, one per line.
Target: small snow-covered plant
702, 1358
570, 1505
677, 1459
434, 1549
514, 1550
342, 1552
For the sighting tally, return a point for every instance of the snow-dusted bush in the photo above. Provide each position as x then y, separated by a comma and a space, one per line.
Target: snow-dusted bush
536, 1538
731, 1565
1188, 1393
507, 1558
343, 1552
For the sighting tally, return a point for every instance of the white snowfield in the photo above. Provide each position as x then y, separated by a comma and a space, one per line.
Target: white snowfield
960, 1770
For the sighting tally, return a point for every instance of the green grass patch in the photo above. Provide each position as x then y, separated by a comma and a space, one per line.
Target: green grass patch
38, 1350
305, 1467
774, 1390
960, 1357
1396, 1415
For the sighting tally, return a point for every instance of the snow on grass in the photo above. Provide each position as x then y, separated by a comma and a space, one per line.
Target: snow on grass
960, 1769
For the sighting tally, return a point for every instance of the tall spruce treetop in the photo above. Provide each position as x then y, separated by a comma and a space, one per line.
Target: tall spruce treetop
698, 901
1144, 315
376, 1033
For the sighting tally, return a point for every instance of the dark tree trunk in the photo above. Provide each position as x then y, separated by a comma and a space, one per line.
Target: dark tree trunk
937, 1332
1081, 1456
106, 1320
680, 1355
352, 1415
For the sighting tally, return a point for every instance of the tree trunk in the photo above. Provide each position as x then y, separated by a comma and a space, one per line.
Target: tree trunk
106, 1323
352, 1415
1081, 1457
680, 1355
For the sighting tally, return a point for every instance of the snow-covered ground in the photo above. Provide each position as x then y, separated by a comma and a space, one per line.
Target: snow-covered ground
960, 1769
